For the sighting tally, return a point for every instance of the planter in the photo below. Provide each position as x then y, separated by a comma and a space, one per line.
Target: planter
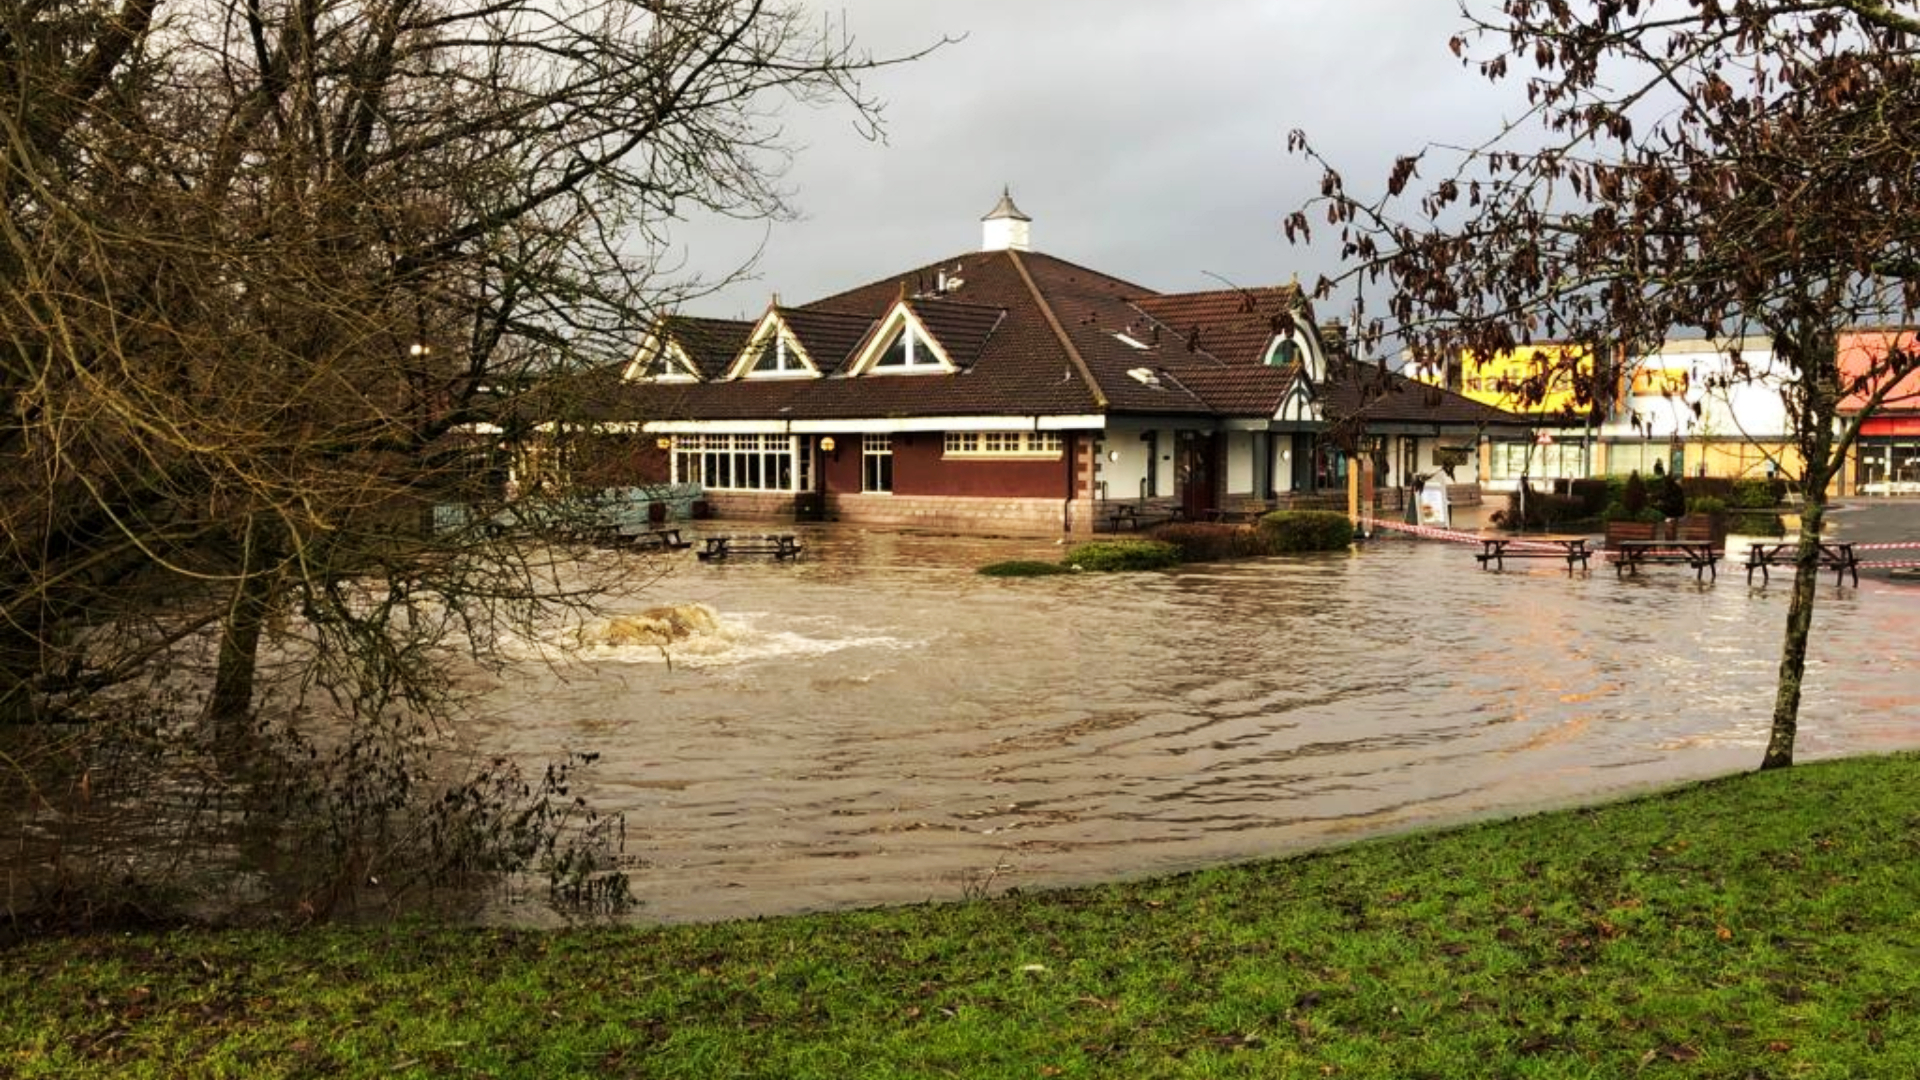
1708, 527
1632, 530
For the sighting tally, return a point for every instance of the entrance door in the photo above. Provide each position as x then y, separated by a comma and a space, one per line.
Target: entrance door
1195, 467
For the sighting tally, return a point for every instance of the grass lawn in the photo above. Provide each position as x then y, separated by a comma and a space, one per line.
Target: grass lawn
1758, 926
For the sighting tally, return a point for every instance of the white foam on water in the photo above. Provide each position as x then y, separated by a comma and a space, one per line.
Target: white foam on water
714, 641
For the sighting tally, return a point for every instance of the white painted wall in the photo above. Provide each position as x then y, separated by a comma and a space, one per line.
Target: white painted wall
1121, 454
1240, 463
1751, 407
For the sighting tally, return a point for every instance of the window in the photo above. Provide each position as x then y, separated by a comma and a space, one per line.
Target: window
667, 364
1036, 444
734, 462
876, 463
775, 355
1508, 460
908, 351
1283, 351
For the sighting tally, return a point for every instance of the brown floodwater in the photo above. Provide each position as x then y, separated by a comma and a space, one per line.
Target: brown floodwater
878, 724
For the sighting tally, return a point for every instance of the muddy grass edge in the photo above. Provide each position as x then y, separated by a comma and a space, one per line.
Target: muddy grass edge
1754, 925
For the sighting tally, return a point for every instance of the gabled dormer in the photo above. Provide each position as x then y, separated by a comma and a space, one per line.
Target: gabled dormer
1301, 405
660, 358
1296, 341
773, 351
902, 346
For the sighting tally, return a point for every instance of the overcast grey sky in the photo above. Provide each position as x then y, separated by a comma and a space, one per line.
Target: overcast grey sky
1147, 139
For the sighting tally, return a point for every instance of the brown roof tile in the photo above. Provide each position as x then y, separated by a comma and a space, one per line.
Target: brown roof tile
1364, 389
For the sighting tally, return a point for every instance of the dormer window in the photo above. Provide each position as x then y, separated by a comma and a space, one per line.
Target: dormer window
902, 346
1283, 351
661, 360
906, 351
776, 359
773, 352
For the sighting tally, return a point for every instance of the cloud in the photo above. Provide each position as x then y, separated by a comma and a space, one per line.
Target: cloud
1146, 139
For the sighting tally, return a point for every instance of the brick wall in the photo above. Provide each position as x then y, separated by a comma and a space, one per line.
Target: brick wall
949, 513
998, 516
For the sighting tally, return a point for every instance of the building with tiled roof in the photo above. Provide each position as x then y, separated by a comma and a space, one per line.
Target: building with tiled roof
1001, 389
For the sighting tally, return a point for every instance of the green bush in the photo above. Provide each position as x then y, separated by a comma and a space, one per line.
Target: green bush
1593, 494
1706, 504
1668, 496
1633, 495
1757, 493
1287, 531
1761, 524
1110, 556
1207, 541
1543, 510
1023, 568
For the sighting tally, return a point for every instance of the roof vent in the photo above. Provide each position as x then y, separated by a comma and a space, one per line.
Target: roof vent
1145, 376
1005, 228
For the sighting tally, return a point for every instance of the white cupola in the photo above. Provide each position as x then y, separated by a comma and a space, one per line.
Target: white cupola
1005, 227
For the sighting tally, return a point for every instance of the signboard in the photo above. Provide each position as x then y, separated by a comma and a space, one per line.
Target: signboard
1433, 505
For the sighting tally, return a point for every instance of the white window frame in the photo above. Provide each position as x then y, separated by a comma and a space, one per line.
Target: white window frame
875, 445
791, 356
925, 355
725, 461
1036, 445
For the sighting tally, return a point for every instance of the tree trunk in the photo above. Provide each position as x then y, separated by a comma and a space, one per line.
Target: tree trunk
1820, 387
1793, 650
231, 704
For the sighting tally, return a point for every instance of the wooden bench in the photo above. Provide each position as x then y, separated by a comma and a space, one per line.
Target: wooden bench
781, 546
1837, 557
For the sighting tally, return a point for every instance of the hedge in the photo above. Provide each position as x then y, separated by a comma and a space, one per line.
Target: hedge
1288, 531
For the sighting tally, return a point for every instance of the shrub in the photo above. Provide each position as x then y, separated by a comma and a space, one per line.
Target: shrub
1594, 495
1109, 556
1706, 504
1756, 493
1634, 494
1023, 568
1287, 531
1206, 541
1761, 524
1669, 497
1543, 510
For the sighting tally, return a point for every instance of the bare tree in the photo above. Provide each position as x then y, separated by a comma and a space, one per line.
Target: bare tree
1706, 167
276, 273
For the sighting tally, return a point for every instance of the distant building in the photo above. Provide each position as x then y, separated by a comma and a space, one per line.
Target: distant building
1886, 460
1009, 390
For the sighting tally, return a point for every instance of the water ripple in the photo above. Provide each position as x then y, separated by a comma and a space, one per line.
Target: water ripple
878, 724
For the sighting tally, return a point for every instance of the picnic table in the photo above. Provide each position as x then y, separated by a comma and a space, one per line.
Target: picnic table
780, 545
1631, 555
664, 539
1836, 556
1239, 515
1136, 516
1496, 549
